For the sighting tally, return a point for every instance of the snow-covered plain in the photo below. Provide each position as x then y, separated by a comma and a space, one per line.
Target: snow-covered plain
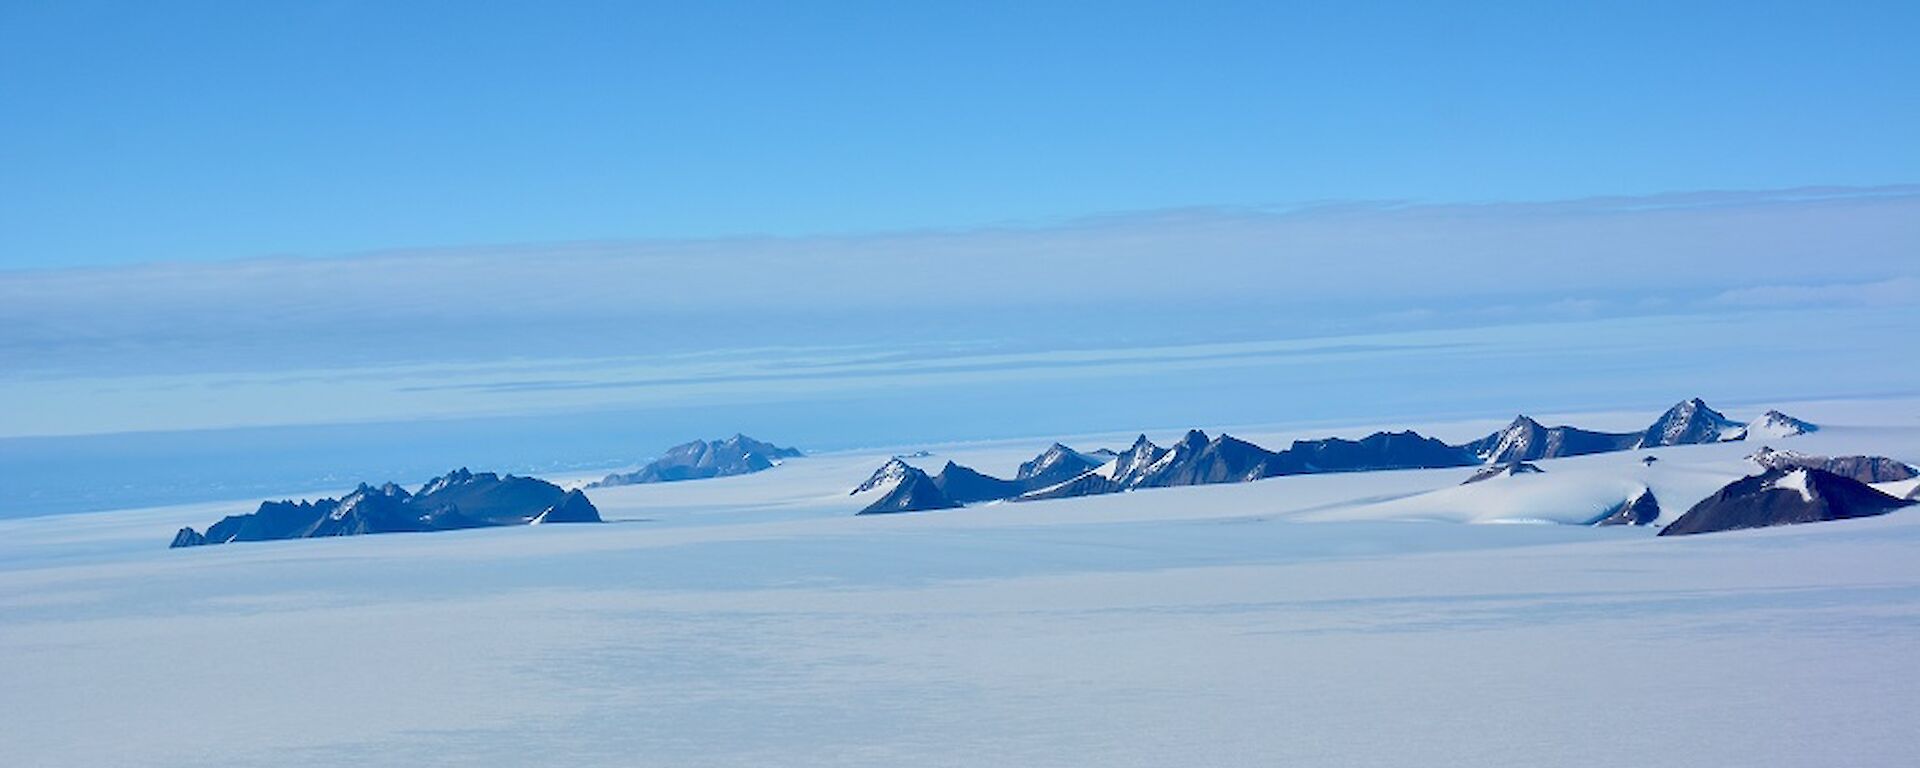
753, 620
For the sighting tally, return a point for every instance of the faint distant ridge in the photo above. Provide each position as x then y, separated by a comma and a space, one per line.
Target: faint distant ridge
702, 459
1197, 459
457, 500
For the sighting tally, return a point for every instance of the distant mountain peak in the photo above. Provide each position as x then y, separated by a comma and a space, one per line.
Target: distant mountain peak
1691, 422
703, 459
1777, 425
912, 492
889, 473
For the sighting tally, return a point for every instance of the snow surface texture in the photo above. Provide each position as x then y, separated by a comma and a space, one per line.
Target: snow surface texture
754, 620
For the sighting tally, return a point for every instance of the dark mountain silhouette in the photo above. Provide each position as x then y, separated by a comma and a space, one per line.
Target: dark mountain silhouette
1380, 450
702, 459
1786, 496
964, 485
456, 500
912, 492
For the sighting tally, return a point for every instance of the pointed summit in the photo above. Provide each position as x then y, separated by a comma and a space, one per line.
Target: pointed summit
1691, 422
1526, 440
914, 492
1776, 425
889, 474
1054, 465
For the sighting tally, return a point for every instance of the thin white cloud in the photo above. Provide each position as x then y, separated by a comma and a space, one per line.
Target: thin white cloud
1895, 291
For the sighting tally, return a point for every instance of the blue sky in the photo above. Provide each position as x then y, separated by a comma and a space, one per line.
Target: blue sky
135, 132
250, 248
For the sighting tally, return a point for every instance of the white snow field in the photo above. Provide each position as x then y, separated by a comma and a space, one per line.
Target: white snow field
1331, 620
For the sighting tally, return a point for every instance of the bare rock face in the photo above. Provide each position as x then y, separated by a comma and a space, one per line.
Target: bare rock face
1639, 509
1788, 496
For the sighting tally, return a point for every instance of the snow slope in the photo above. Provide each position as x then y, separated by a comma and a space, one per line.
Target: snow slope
754, 620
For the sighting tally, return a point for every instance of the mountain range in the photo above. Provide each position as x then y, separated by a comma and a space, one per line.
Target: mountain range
459, 499
1196, 459
702, 459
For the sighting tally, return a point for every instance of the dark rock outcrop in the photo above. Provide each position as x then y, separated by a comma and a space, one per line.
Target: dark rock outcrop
1499, 470
1783, 497
1639, 509
572, 508
1866, 469
702, 459
1526, 440
456, 500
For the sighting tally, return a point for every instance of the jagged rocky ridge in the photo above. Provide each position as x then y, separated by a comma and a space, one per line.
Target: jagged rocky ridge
1061, 472
1866, 469
1783, 496
459, 499
1195, 460
702, 459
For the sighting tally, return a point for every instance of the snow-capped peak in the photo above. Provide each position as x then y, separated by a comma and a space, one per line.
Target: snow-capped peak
1777, 424
888, 475
1691, 422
